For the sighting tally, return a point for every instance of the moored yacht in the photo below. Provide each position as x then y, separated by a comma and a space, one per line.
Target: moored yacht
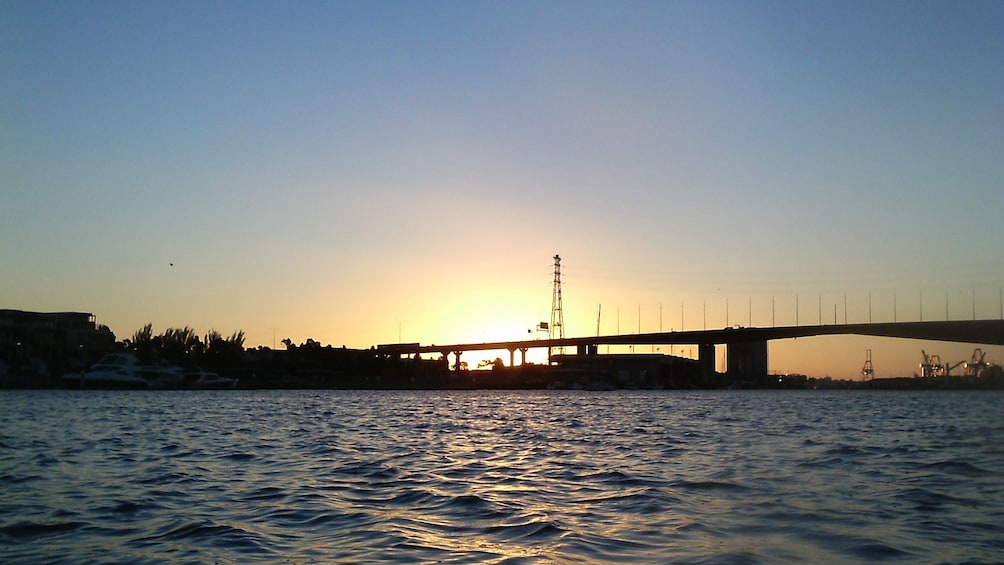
205, 380
123, 370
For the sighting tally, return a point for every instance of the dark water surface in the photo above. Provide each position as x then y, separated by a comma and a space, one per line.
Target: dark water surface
501, 477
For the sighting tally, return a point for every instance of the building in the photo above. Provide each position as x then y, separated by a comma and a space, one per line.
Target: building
37, 348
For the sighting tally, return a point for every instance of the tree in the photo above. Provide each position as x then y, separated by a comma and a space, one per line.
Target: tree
224, 351
236, 340
498, 363
143, 343
143, 335
180, 346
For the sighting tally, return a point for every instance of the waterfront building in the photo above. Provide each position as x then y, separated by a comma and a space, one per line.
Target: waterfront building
37, 348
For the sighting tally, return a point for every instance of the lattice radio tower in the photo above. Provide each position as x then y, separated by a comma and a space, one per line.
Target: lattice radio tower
557, 327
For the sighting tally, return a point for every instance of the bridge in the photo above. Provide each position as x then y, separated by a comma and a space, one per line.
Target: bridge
746, 347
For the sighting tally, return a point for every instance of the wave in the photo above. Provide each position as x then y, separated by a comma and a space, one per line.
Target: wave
709, 485
222, 536
36, 529
954, 467
531, 531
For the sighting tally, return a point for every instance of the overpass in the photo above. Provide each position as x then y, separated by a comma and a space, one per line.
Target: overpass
746, 348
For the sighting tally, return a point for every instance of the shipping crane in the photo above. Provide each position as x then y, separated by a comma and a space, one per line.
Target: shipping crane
949, 367
977, 366
931, 367
868, 372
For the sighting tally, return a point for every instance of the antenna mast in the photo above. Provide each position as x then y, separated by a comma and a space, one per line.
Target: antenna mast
557, 327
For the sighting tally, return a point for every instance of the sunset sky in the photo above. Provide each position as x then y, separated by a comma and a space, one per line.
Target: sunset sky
368, 172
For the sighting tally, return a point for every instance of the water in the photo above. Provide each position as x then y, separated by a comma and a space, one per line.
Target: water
501, 477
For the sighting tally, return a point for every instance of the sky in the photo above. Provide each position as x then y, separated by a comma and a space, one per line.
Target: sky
369, 172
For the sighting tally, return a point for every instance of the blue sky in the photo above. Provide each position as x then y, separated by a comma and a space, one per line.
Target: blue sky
356, 172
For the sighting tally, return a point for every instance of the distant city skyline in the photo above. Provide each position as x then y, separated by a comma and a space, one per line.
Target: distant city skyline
360, 172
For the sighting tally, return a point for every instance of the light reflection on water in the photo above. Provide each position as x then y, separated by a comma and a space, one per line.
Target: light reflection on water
501, 477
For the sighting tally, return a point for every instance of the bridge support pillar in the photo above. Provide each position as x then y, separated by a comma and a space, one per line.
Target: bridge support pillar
456, 367
512, 357
746, 362
706, 360
522, 355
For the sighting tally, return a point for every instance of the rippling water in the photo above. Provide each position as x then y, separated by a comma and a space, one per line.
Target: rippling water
501, 477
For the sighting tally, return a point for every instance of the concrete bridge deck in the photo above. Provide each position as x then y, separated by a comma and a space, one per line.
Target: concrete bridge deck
986, 332
747, 347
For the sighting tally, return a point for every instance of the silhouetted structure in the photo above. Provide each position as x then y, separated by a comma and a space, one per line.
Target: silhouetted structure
37, 348
746, 348
557, 328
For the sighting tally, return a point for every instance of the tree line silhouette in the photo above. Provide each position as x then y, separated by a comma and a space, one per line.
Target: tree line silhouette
183, 347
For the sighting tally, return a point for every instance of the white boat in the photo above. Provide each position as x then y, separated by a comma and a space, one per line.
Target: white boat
202, 380
123, 370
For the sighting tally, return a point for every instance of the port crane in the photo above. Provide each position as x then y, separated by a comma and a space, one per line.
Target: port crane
976, 366
933, 367
868, 372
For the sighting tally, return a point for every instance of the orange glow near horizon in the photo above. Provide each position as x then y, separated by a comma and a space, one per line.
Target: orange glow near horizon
417, 302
